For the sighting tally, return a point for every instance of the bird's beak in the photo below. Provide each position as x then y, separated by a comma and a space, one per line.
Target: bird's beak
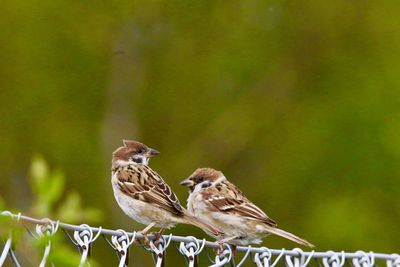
152, 152
187, 182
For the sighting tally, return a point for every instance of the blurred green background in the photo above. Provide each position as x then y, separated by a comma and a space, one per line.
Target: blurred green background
297, 102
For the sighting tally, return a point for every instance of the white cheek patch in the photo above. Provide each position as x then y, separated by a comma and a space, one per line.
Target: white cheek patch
123, 162
198, 187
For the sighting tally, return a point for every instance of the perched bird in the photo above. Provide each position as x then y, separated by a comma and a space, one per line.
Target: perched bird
143, 195
221, 204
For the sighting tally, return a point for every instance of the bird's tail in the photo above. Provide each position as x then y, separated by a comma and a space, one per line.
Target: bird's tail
289, 236
203, 225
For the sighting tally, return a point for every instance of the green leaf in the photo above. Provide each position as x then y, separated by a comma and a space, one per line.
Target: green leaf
70, 209
61, 255
39, 172
54, 187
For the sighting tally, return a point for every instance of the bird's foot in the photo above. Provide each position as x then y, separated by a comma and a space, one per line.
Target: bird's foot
144, 241
218, 250
158, 235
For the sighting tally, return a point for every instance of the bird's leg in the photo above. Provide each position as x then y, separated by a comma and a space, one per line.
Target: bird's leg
234, 251
148, 227
158, 234
144, 232
221, 243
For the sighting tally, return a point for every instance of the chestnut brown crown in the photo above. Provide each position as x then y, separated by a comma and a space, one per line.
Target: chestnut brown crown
200, 175
133, 150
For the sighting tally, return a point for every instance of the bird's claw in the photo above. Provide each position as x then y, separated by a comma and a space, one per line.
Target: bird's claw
220, 248
145, 242
157, 236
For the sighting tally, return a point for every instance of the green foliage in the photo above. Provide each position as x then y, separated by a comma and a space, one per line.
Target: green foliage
298, 103
8, 227
48, 188
71, 210
62, 255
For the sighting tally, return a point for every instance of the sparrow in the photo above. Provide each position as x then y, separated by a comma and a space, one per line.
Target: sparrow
143, 195
221, 204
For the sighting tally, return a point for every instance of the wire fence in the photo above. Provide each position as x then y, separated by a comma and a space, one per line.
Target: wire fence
84, 236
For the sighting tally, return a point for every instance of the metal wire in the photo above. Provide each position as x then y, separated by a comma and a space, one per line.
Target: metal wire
121, 244
84, 238
191, 249
224, 257
298, 261
49, 228
6, 248
395, 262
84, 235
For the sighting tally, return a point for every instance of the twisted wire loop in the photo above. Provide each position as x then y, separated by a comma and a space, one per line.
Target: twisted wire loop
224, 257
121, 244
299, 260
48, 228
263, 259
160, 249
333, 260
394, 262
191, 248
12, 215
364, 259
83, 239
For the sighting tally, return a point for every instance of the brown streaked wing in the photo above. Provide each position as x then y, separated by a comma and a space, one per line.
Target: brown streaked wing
229, 199
142, 183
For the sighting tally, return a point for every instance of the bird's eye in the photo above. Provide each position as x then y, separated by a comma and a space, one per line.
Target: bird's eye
140, 151
199, 179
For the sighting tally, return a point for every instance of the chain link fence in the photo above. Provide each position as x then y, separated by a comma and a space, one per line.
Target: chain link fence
84, 236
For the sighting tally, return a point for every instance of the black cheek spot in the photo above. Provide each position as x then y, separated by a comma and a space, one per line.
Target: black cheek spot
205, 185
138, 160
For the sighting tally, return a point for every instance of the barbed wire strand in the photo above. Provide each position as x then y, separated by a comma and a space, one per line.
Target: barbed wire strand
84, 235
